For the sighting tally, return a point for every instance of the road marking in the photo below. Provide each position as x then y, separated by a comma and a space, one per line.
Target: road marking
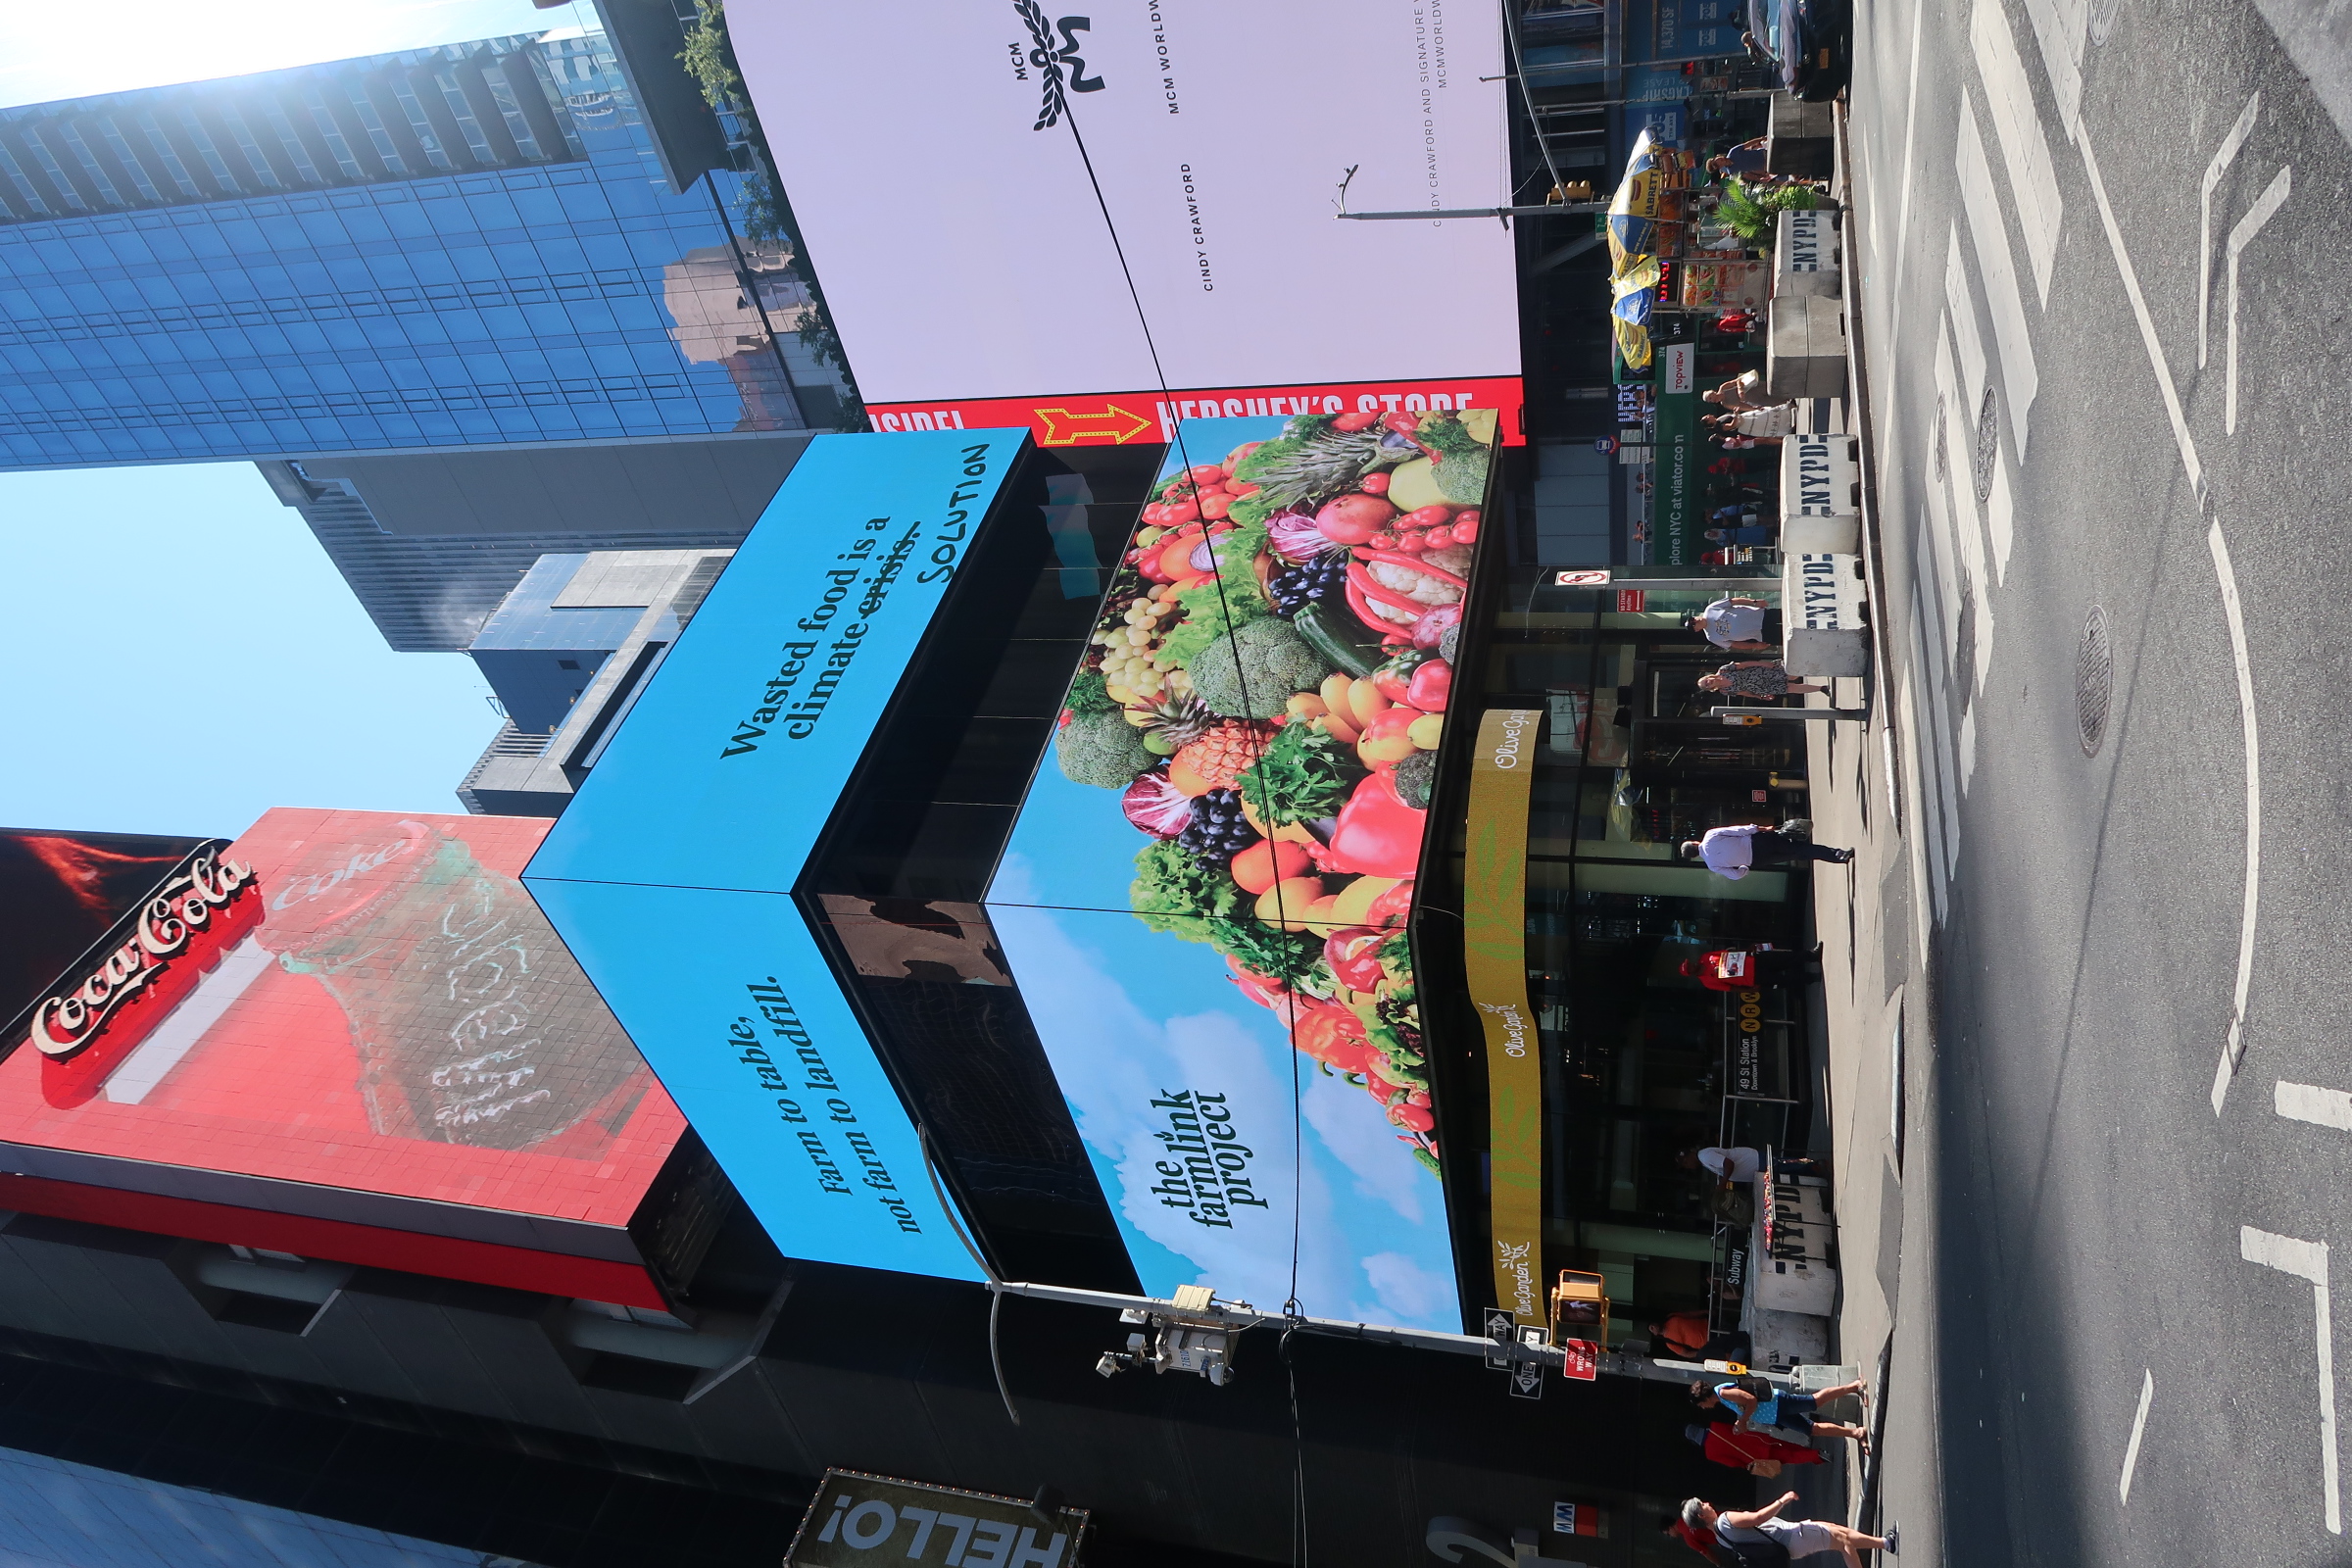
1988, 232
2147, 322
2222, 159
1963, 308
2308, 1261
1927, 887
2322, 1107
2000, 515
2140, 1427
1952, 505
2058, 28
2233, 1049
2032, 181
1902, 223
2241, 234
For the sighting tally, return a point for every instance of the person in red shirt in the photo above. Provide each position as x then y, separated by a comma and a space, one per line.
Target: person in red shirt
1746, 968
1758, 1454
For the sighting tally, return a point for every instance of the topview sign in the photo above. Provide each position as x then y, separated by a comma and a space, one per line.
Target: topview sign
671, 875
1128, 214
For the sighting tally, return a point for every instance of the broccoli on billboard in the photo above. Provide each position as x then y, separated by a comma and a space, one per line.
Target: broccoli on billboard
1206, 895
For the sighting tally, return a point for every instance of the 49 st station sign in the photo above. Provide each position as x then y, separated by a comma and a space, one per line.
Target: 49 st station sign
868, 1521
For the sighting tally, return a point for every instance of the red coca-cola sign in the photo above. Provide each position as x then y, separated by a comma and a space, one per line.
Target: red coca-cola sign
140, 971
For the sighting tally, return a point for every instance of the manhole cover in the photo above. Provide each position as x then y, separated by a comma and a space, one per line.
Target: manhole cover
2094, 679
1988, 445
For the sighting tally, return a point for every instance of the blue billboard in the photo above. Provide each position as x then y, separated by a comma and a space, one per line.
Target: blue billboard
670, 874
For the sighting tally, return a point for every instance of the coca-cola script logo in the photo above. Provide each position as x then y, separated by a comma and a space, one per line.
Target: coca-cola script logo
190, 903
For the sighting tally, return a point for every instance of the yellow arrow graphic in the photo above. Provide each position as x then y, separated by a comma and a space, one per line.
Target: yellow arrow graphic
1066, 429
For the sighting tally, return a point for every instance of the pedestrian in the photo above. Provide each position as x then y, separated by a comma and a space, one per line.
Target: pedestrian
1686, 1337
1764, 1527
1770, 422
1741, 1163
1759, 1453
1757, 677
1742, 391
1746, 158
1746, 969
1785, 1408
1733, 443
1739, 623
1730, 852
1741, 533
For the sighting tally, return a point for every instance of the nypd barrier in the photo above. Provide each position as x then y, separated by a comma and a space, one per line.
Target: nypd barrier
1821, 544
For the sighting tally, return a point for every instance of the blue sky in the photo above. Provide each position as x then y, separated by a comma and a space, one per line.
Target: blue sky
182, 657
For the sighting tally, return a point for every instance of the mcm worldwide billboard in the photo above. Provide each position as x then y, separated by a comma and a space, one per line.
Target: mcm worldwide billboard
1097, 225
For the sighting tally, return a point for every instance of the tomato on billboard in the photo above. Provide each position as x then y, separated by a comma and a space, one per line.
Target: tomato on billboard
1206, 889
1142, 202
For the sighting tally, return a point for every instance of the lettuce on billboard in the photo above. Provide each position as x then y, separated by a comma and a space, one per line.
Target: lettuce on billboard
1125, 219
1205, 895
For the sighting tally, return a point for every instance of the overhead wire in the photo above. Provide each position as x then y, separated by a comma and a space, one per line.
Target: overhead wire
1291, 1310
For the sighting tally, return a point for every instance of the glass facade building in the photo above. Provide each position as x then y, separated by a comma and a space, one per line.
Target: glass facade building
465, 246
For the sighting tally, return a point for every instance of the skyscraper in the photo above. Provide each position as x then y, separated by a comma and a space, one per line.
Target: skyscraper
420, 252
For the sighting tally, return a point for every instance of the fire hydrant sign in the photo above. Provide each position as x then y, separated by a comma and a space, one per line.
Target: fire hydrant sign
867, 1521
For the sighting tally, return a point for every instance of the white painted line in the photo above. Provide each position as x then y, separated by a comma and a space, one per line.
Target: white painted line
2307, 1260
2140, 1427
1953, 504
1968, 747
1980, 208
1961, 304
2033, 180
2233, 1049
1943, 533
2147, 322
2222, 159
1930, 872
2058, 28
2322, 1107
2241, 234
1903, 221
1927, 895
2000, 517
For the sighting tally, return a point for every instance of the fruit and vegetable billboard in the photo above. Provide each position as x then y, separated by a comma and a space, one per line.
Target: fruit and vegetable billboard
1205, 898
1127, 218
377, 1026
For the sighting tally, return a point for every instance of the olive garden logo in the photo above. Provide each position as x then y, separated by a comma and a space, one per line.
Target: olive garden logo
1052, 59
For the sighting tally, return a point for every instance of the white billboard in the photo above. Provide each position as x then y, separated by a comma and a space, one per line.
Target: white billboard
1082, 222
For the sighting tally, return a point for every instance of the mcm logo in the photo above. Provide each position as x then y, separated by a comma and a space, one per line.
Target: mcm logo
1052, 59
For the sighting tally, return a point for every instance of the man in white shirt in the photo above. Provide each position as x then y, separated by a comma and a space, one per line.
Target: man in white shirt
1733, 852
1743, 625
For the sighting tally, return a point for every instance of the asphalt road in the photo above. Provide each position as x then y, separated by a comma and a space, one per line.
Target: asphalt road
2081, 1225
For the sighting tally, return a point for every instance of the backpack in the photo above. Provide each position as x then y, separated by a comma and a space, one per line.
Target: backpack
1756, 1553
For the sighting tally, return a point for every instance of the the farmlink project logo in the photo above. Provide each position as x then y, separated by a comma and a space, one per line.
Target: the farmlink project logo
1206, 1170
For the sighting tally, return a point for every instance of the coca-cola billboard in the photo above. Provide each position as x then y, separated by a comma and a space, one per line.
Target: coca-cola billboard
373, 1006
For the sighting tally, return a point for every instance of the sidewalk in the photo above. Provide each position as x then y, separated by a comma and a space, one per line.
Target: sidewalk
1880, 1027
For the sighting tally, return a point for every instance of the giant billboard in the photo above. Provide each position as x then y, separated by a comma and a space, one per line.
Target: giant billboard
671, 872
1206, 897
358, 1021
1095, 225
